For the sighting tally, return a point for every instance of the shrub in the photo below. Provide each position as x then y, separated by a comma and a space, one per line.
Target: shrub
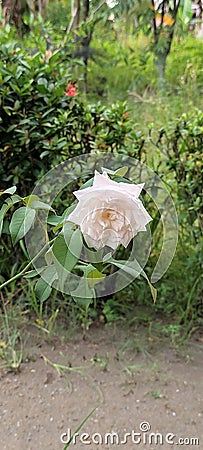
181, 168
181, 142
40, 125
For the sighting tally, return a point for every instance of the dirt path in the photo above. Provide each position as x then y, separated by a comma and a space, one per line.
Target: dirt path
156, 390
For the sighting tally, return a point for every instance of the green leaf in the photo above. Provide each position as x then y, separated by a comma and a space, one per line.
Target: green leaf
7, 110
3, 211
54, 220
86, 268
30, 199
12, 200
107, 256
9, 202
10, 190
63, 258
121, 180
134, 269
185, 11
121, 172
94, 277
34, 202
108, 171
67, 248
62, 253
41, 205
21, 223
43, 286
118, 174
83, 294
42, 289
49, 256
87, 183
50, 274
63, 219
33, 273
43, 154
68, 229
42, 82
76, 243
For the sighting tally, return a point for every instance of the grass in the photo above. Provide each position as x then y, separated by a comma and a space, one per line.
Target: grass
79, 428
160, 109
82, 371
11, 341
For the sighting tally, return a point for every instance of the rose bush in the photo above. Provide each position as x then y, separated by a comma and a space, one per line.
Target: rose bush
109, 213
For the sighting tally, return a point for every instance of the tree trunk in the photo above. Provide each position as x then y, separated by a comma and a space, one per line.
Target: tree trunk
161, 67
12, 12
85, 10
77, 19
86, 42
164, 25
75, 14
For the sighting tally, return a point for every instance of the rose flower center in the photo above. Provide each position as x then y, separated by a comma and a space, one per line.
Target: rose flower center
107, 214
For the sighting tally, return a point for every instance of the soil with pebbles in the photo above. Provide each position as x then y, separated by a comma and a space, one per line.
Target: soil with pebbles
147, 393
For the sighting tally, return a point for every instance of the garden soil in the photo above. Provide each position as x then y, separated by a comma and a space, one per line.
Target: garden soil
148, 393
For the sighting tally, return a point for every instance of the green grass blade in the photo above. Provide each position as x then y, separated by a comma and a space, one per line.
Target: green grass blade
79, 428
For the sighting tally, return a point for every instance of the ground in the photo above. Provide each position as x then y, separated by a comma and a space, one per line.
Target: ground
138, 385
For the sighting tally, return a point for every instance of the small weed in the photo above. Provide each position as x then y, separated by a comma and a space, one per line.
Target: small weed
133, 368
11, 345
47, 325
156, 394
62, 369
103, 362
174, 332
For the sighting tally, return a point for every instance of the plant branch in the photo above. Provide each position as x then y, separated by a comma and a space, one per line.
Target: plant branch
96, 9
19, 274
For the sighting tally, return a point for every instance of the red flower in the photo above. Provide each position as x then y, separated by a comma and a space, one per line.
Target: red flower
72, 90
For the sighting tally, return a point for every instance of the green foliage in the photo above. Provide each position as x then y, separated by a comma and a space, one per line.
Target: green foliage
184, 65
40, 125
185, 14
120, 65
179, 163
32, 94
126, 65
58, 13
181, 142
60, 256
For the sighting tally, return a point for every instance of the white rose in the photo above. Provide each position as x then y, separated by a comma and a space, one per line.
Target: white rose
109, 213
